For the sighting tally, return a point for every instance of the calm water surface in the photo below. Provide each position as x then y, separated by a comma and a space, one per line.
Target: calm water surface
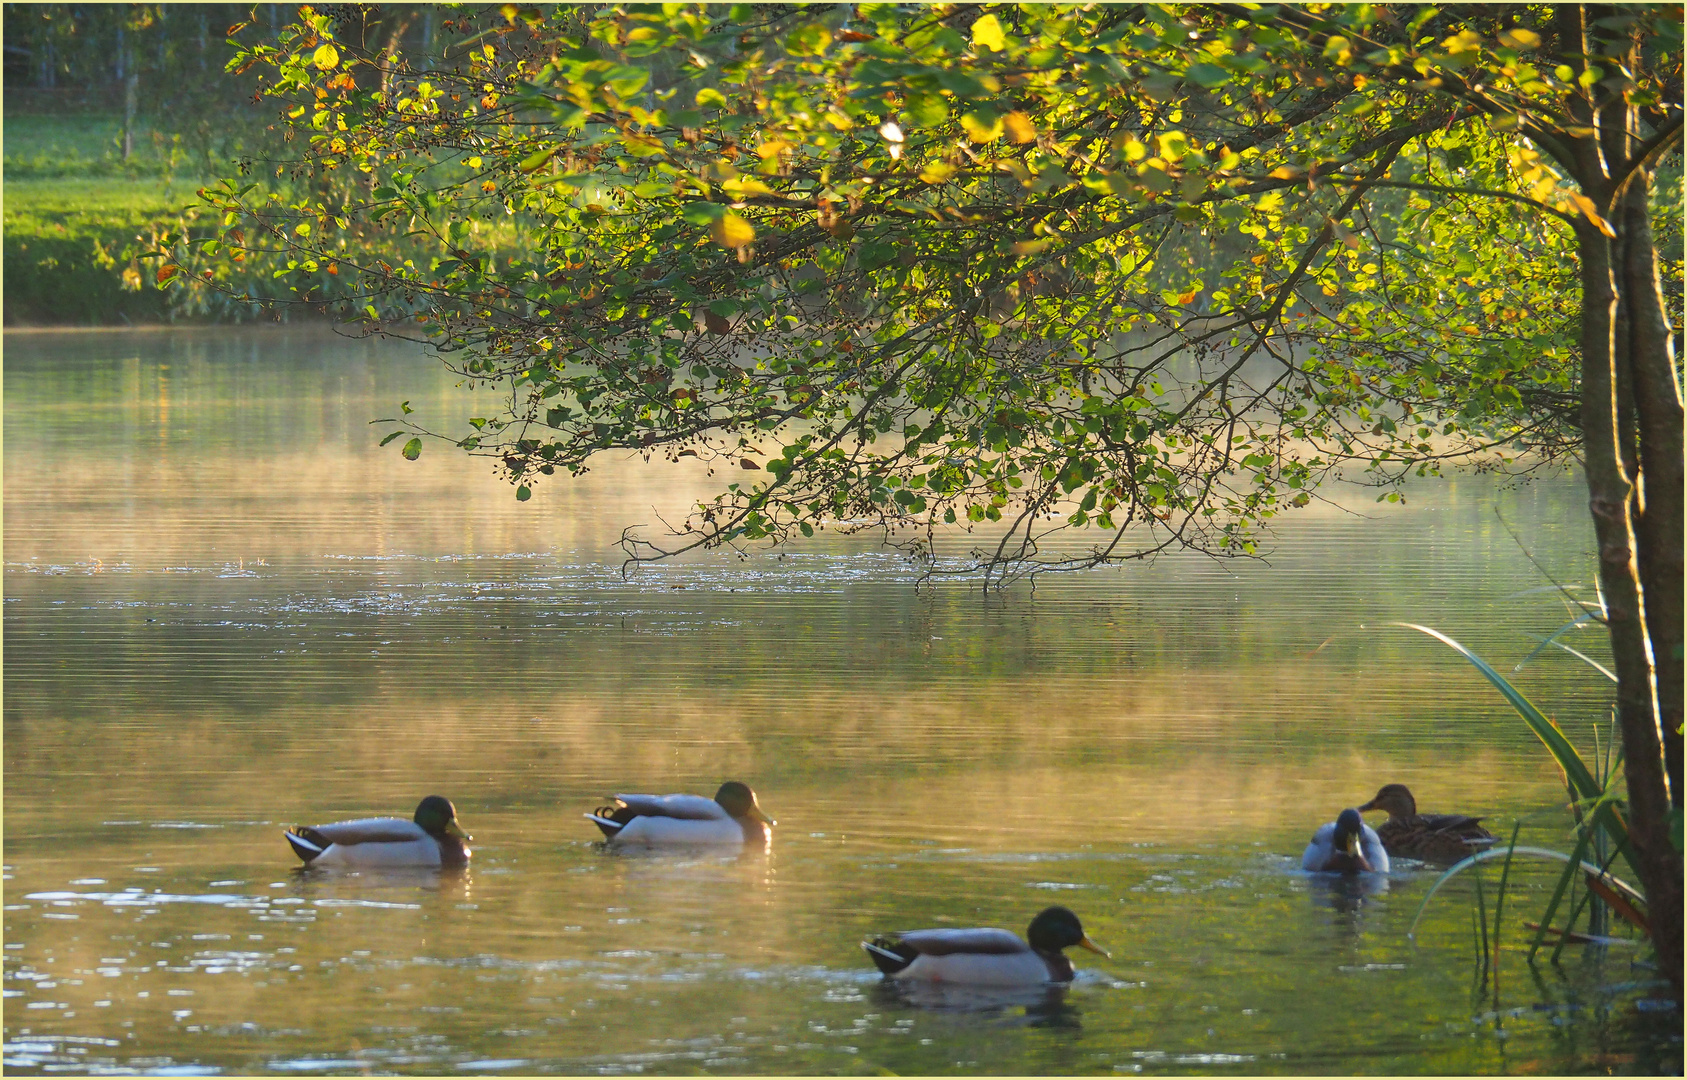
226, 611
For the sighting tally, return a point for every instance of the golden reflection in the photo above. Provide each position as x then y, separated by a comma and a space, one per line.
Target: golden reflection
1152, 747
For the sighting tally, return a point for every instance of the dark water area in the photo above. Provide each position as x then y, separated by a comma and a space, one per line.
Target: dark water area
228, 611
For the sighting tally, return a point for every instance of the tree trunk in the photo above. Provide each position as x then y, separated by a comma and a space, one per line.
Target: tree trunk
131, 89
1658, 416
1625, 410
1614, 504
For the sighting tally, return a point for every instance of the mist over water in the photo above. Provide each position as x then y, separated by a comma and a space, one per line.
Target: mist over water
228, 611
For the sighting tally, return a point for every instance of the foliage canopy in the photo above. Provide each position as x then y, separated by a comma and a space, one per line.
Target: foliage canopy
1153, 270
1150, 267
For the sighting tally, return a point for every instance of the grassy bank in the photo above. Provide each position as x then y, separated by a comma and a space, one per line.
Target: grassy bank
77, 216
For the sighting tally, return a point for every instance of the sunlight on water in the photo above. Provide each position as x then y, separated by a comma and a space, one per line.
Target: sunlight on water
227, 611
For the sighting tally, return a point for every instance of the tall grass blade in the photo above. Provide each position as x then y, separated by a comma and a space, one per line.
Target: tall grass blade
1499, 906
1583, 657
1482, 940
1564, 880
1495, 853
1576, 772
1580, 620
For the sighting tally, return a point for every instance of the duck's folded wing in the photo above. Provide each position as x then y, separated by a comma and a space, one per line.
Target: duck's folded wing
370, 831
988, 941
685, 807
1370, 845
1450, 822
1318, 849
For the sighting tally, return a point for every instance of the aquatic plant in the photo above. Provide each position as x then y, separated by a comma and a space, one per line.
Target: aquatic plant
1599, 824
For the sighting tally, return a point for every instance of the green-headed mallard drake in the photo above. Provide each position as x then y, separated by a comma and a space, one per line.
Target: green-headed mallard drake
1346, 845
431, 838
731, 817
985, 956
1439, 837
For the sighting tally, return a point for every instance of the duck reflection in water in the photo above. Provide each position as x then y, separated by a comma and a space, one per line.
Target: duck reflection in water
1045, 1006
393, 885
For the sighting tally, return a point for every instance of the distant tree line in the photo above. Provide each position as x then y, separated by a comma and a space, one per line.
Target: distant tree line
163, 66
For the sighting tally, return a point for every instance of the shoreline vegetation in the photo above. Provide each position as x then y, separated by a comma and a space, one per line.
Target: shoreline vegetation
115, 116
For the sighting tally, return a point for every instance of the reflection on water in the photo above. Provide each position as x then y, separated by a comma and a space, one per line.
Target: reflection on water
226, 612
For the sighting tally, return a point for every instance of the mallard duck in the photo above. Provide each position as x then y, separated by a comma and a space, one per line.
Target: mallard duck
1440, 837
1346, 845
431, 838
985, 957
731, 817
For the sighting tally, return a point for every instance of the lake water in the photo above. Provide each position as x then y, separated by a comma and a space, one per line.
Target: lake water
227, 611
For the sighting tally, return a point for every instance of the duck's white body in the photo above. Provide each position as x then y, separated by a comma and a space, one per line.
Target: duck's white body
1323, 847
679, 820
980, 957
370, 843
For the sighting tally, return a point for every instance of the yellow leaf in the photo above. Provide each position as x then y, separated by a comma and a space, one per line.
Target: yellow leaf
731, 231
326, 57
937, 171
1286, 172
1519, 38
987, 34
1131, 147
1591, 212
983, 126
1020, 129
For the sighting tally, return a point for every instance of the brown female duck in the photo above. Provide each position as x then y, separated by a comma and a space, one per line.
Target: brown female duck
1435, 837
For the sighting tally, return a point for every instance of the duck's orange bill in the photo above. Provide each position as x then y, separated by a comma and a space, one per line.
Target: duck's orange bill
1086, 943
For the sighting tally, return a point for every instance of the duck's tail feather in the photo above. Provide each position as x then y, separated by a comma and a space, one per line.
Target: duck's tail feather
609, 825
307, 843
889, 954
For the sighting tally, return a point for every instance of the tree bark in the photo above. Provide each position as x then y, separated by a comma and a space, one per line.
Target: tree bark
1624, 409
1658, 418
1613, 502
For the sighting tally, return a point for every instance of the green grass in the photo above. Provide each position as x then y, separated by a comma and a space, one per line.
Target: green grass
70, 248
82, 145
77, 215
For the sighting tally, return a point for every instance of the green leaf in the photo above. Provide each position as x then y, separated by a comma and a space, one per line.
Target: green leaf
1208, 75
412, 449
810, 40
534, 162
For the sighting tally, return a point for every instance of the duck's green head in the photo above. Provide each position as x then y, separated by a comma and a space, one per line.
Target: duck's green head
739, 801
1056, 928
436, 815
1394, 798
1348, 827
